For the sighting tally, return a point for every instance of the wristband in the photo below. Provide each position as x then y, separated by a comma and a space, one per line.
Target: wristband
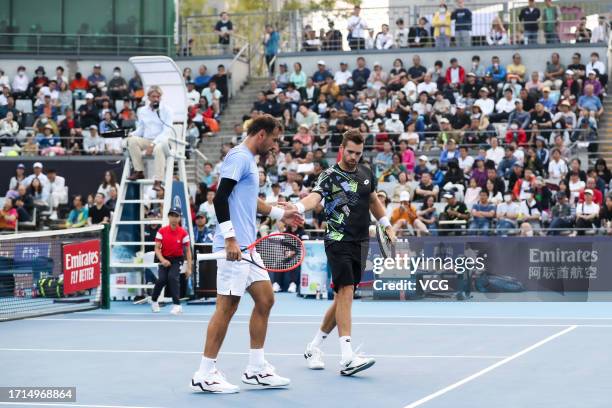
277, 213
227, 229
300, 207
384, 222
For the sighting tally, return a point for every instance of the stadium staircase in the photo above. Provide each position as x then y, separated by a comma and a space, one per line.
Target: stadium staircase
237, 107
605, 132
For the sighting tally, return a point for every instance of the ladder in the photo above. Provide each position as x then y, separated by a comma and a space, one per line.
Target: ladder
127, 231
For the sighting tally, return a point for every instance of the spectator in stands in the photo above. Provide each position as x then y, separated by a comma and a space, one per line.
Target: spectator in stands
57, 192
208, 208
551, 17
497, 35
117, 86
587, 213
601, 33
79, 214
596, 193
553, 76
224, 29
530, 17
602, 170
483, 214
557, 168
441, 22
426, 188
108, 124
24, 204
193, 96
504, 107
99, 212
97, 81
593, 80
401, 34
357, 27
220, 79
271, 46
79, 86
298, 77
187, 74
590, 102
213, 96
455, 74
136, 88
8, 216
201, 81
93, 144
463, 24
384, 39
9, 129
583, 34
419, 36
507, 214
455, 210
201, 233
561, 215
472, 193
529, 211
306, 116
596, 65
484, 102
333, 38
112, 199
405, 216
39, 81
497, 71
311, 42
282, 78
18, 178
21, 83
47, 139
88, 112
517, 68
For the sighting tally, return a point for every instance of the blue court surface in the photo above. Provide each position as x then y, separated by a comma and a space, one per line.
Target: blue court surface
430, 354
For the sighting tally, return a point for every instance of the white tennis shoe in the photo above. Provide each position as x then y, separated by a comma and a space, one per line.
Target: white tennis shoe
356, 364
155, 307
265, 376
176, 310
314, 357
213, 382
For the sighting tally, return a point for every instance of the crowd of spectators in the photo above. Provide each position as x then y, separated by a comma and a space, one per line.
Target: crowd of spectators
56, 114
483, 147
445, 27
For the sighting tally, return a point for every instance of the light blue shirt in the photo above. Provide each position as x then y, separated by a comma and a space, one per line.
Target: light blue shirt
152, 127
239, 165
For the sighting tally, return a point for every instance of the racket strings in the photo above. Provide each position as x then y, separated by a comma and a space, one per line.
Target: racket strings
280, 252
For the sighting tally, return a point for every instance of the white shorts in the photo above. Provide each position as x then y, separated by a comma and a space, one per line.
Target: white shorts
233, 278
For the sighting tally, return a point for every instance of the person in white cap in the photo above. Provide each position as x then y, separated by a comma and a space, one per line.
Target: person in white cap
151, 134
356, 26
485, 103
88, 112
405, 217
321, 74
38, 173
587, 213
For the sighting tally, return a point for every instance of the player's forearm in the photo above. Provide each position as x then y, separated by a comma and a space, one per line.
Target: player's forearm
309, 202
377, 208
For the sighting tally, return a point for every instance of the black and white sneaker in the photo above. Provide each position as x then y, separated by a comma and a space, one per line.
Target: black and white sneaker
356, 364
265, 377
213, 382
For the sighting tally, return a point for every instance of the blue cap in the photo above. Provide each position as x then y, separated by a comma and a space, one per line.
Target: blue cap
175, 210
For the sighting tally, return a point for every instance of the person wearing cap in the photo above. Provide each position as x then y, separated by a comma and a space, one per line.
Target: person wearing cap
455, 210
404, 217
40, 80
88, 112
484, 102
97, 80
357, 27
421, 167
565, 118
321, 73
151, 135
201, 233
587, 213
47, 139
93, 143
18, 178
591, 184
172, 248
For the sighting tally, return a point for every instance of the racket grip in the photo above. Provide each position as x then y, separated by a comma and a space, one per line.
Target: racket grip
211, 256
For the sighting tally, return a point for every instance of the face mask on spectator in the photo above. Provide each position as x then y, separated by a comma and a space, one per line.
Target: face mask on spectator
442, 9
21, 72
116, 74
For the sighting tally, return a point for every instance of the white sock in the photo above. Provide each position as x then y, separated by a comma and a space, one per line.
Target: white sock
256, 357
207, 365
318, 338
345, 348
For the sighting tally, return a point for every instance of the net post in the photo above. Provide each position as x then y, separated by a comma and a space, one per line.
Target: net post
105, 268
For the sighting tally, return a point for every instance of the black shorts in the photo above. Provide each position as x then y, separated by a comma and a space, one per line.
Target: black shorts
347, 261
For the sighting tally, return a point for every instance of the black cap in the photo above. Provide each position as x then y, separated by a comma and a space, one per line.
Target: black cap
176, 211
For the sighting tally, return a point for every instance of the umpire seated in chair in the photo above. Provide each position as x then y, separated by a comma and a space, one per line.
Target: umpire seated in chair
151, 135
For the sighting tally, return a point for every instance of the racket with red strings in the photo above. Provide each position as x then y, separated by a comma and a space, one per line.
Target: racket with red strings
279, 252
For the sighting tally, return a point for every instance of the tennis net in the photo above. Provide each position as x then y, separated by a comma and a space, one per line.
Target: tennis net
48, 272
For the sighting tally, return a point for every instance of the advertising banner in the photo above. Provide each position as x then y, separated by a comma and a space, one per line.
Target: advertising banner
81, 265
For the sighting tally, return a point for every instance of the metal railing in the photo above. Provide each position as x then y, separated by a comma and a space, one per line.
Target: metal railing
83, 44
198, 43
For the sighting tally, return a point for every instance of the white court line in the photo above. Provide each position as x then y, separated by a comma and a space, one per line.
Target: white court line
488, 369
395, 324
234, 353
61, 404
373, 316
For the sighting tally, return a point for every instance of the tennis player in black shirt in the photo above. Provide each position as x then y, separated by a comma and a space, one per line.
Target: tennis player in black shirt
349, 193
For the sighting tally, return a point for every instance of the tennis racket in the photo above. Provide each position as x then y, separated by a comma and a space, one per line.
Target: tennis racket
387, 247
279, 252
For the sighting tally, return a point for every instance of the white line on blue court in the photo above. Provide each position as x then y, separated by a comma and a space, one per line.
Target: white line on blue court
377, 316
193, 321
232, 353
489, 368
52, 404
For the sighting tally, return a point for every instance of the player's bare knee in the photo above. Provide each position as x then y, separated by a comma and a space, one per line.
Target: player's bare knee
264, 304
